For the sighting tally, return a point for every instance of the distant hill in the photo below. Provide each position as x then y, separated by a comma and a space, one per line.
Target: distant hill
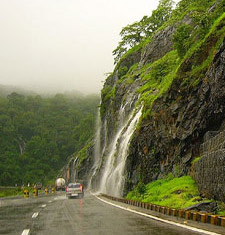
6, 90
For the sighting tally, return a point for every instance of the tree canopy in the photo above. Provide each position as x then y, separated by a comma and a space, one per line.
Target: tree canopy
134, 33
37, 135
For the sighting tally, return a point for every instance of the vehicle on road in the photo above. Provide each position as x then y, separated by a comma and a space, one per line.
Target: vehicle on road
60, 184
75, 190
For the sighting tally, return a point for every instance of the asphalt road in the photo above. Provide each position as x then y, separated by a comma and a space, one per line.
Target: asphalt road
55, 214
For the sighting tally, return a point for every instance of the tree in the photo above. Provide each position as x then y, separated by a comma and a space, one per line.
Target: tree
133, 34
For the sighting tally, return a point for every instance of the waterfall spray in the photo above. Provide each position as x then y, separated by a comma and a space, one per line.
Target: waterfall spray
112, 180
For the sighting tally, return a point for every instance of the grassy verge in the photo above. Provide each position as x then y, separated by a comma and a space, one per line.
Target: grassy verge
178, 193
6, 192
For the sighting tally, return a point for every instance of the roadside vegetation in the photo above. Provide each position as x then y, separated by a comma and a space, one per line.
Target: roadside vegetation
177, 193
6, 192
171, 192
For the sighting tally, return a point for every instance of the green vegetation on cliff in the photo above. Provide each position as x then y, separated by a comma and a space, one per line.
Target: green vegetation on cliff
199, 33
178, 193
37, 135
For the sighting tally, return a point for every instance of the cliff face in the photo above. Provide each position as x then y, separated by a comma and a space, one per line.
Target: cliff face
157, 107
209, 170
172, 138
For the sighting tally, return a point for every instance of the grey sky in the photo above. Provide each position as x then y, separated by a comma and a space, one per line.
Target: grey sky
63, 44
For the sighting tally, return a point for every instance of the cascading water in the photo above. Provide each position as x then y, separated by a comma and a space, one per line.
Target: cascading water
111, 147
97, 149
73, 171
112, 180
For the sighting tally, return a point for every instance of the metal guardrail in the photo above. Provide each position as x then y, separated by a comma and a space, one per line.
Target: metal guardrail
184, 214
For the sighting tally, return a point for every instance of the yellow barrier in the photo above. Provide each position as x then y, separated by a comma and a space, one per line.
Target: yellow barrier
53, 190
26, 193
46, 191
35, 192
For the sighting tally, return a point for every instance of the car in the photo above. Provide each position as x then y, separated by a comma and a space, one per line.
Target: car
75, 190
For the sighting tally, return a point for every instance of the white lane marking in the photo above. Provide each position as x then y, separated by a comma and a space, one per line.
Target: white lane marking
49, 201
35, 215
162, 220
25, 232
43, 206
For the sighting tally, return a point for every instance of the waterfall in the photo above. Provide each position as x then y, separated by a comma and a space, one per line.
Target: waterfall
97, 149
112, 178
111, 149
73, 171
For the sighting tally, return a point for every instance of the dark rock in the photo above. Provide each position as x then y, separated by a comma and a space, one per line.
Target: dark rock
160, 44
208, 207
179, 122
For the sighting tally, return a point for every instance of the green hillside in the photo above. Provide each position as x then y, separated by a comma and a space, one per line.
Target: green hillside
37, 135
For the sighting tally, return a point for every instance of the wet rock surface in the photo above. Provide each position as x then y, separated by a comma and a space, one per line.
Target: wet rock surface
172, 137
209, 171
208, 207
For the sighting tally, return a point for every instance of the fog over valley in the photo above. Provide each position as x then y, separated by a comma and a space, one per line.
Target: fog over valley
55, 46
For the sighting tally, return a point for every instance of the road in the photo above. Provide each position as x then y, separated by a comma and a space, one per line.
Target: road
55, 214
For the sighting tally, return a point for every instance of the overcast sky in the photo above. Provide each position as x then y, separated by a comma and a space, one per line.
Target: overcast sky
63, 44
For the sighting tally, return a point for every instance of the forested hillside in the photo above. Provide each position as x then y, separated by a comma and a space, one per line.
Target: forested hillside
37, 135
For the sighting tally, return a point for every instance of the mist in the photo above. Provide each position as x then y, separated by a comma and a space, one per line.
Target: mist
63, 45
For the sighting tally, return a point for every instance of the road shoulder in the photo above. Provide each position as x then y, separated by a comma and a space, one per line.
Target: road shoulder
188, 224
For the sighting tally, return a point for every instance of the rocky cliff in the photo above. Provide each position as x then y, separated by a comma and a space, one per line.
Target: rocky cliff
157, 106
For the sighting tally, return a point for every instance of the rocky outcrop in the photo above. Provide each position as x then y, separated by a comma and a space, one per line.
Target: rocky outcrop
209, 171
79, 166
161, 44
205, 207
171, 138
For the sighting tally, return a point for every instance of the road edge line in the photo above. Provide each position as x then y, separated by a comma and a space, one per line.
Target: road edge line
159, 219
25, 232
35, 215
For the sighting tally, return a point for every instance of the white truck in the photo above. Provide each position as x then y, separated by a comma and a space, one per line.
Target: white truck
60, 184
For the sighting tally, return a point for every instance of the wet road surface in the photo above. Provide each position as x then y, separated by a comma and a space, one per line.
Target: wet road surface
55, 214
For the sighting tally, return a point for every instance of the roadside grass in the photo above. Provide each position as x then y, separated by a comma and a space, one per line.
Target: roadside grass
178, 193
6, 192
221, 210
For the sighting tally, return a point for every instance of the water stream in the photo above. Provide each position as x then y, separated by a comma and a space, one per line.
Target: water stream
111, 150
112, 180
73, 171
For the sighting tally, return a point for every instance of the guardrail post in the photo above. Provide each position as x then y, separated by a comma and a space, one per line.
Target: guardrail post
214, 219
203, 218
154, 207
181, 213
223, 222
195, 216
174, 212
169, 211
158, 208
187, 215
